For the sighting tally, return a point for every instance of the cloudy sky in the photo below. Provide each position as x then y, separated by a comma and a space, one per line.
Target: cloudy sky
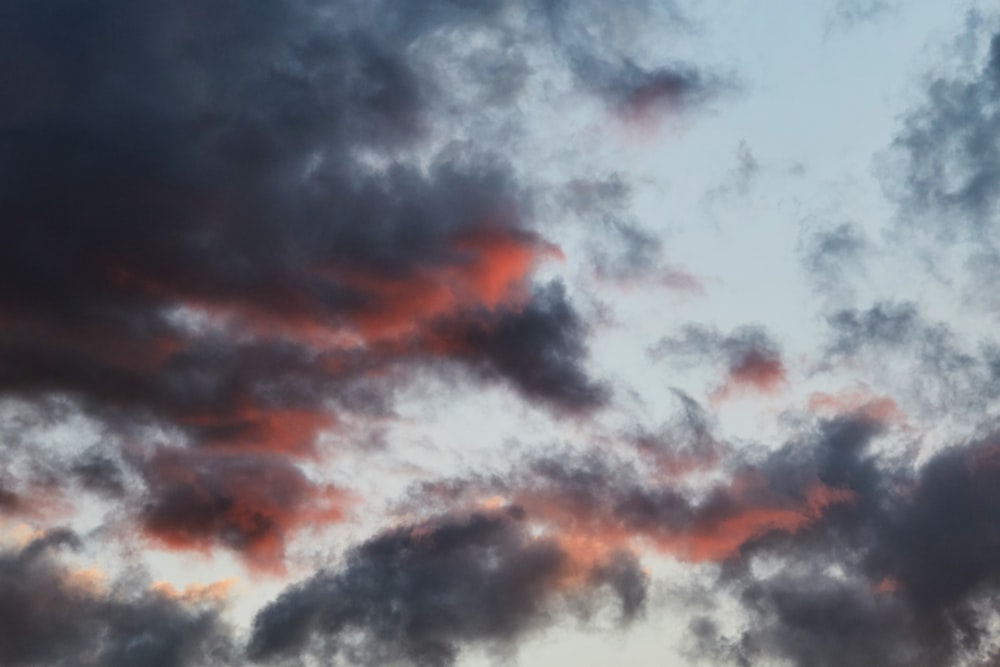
479, 332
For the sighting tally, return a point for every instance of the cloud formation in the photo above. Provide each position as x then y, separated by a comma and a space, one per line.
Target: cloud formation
421, 593
949, 153
51, 613
751, 358
238, 239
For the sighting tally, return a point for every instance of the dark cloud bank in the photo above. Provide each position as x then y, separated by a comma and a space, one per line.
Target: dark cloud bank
219, 220
194, 233
189, 236
50, 617
419, 593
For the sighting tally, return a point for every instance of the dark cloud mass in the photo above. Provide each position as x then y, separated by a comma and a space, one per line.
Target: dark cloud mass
245, 502
594, 39
903, 575
191, 237
156, 170
52, 615
417, 594
222, 228
235, 235
944, 373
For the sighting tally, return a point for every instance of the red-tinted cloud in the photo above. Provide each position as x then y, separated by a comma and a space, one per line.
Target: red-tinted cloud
755, 371
286, 431
603, 520
487, 268
249, 503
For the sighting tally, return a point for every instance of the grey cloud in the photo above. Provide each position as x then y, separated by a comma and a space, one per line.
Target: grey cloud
835, 259
946, 159
942, 371
903, 575
611, 70
422, 593
50, 620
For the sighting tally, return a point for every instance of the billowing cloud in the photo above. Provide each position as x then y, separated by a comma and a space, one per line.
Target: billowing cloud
248, 503
236, 240
905, 574
421, 593
50, 613
210, 209
537, 347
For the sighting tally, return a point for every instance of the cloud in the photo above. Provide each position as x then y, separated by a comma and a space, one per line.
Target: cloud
539, 348
945, 163
248, 503
741, 178
216, 233
421, 593
935, 368
834, 257
98, 473
230, 225
679, 492
904, 574
601, 52
615, 505
50, 614
751, 357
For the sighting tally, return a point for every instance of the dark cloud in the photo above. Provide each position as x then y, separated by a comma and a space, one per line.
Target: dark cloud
225, 223
99, 473
248, 503
421, 593
946, 159
539, 348
52, 615
641, 497
904, 575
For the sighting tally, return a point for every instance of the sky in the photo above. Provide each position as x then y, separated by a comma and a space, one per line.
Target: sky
499, 332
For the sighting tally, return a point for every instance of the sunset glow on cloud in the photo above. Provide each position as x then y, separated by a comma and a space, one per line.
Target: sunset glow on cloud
529, 332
